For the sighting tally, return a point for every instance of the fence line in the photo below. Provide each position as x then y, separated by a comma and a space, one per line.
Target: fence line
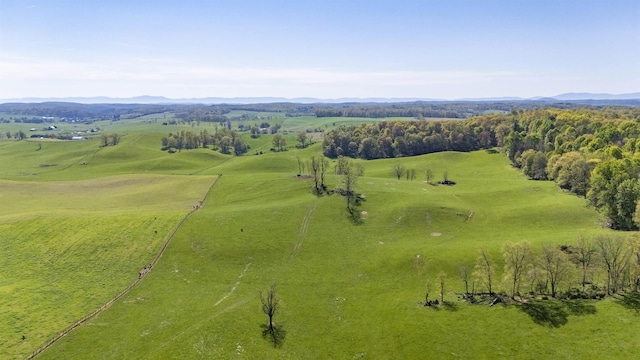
141, 276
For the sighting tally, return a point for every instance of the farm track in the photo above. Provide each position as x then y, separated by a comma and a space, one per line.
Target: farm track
141, 276
303, 230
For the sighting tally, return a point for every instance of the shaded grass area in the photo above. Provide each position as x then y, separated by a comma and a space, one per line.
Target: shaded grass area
555, 313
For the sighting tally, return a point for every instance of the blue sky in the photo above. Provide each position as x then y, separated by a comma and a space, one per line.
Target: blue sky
325, 49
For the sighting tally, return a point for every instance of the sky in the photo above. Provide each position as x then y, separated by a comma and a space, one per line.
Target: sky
437, 49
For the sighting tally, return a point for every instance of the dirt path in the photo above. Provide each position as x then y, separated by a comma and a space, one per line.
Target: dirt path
141, 275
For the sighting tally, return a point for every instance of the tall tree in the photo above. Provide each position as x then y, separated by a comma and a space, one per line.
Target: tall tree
516, 259
484, 269
279, 142
464, 272
441, 280
585, 256
614, 256
556, 266
302, 138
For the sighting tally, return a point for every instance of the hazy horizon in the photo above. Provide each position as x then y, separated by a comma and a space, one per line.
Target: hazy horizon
327, 50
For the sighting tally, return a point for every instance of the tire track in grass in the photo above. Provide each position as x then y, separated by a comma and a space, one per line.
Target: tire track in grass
234, 287
304, 227
141, 275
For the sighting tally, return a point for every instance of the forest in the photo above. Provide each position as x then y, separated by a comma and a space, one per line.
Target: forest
591, 152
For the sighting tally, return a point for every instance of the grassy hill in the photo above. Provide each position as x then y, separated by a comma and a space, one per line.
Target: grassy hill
347, 291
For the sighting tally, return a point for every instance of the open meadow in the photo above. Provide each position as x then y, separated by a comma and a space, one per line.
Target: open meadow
79, 221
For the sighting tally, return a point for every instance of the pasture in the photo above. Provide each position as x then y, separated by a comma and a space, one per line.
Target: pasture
348, 291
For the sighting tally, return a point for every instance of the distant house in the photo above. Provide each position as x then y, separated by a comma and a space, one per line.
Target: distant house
32, 129
264, 130
78, 138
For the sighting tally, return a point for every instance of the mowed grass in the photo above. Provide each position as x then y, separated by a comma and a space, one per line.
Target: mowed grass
352, 291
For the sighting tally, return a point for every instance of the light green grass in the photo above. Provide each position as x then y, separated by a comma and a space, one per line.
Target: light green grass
351, 291
348, 291
68, 247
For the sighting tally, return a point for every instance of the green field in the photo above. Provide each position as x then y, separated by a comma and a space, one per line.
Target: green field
78, 230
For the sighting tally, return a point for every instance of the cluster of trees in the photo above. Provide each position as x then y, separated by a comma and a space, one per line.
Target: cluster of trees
18, 135
592, 268
109, 139
202, 113
225, 140
592, 152
388, 139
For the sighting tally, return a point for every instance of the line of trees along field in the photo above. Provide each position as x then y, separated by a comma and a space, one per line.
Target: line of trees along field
591, 152
591, 269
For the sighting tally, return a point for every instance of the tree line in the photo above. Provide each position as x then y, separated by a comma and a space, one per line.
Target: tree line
224, 140
591, 269
591, 152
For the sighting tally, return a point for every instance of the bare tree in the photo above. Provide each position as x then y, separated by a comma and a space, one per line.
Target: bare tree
429, 175
585, 256
270, 304
516, 259
484, 269
115, 139
411, 174
398, 171
427, 290
465, 274
324, 165
104, 140
315, 169
615, 259
441, 279
556, 266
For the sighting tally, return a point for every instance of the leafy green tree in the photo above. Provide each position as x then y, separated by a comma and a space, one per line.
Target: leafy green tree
614, 190
302, 139
279, 142
570, 171
534, 164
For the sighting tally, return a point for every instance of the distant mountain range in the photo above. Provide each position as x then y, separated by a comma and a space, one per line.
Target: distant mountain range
307, 100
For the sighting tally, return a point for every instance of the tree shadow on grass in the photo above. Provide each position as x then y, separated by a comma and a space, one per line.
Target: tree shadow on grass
631, 301
450, 306
555, 313
546, 313
275, 334
579, 307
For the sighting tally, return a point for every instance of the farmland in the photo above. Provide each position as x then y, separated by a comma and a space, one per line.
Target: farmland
84, 219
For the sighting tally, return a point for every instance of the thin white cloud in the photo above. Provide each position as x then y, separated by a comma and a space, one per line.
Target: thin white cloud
26, 77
